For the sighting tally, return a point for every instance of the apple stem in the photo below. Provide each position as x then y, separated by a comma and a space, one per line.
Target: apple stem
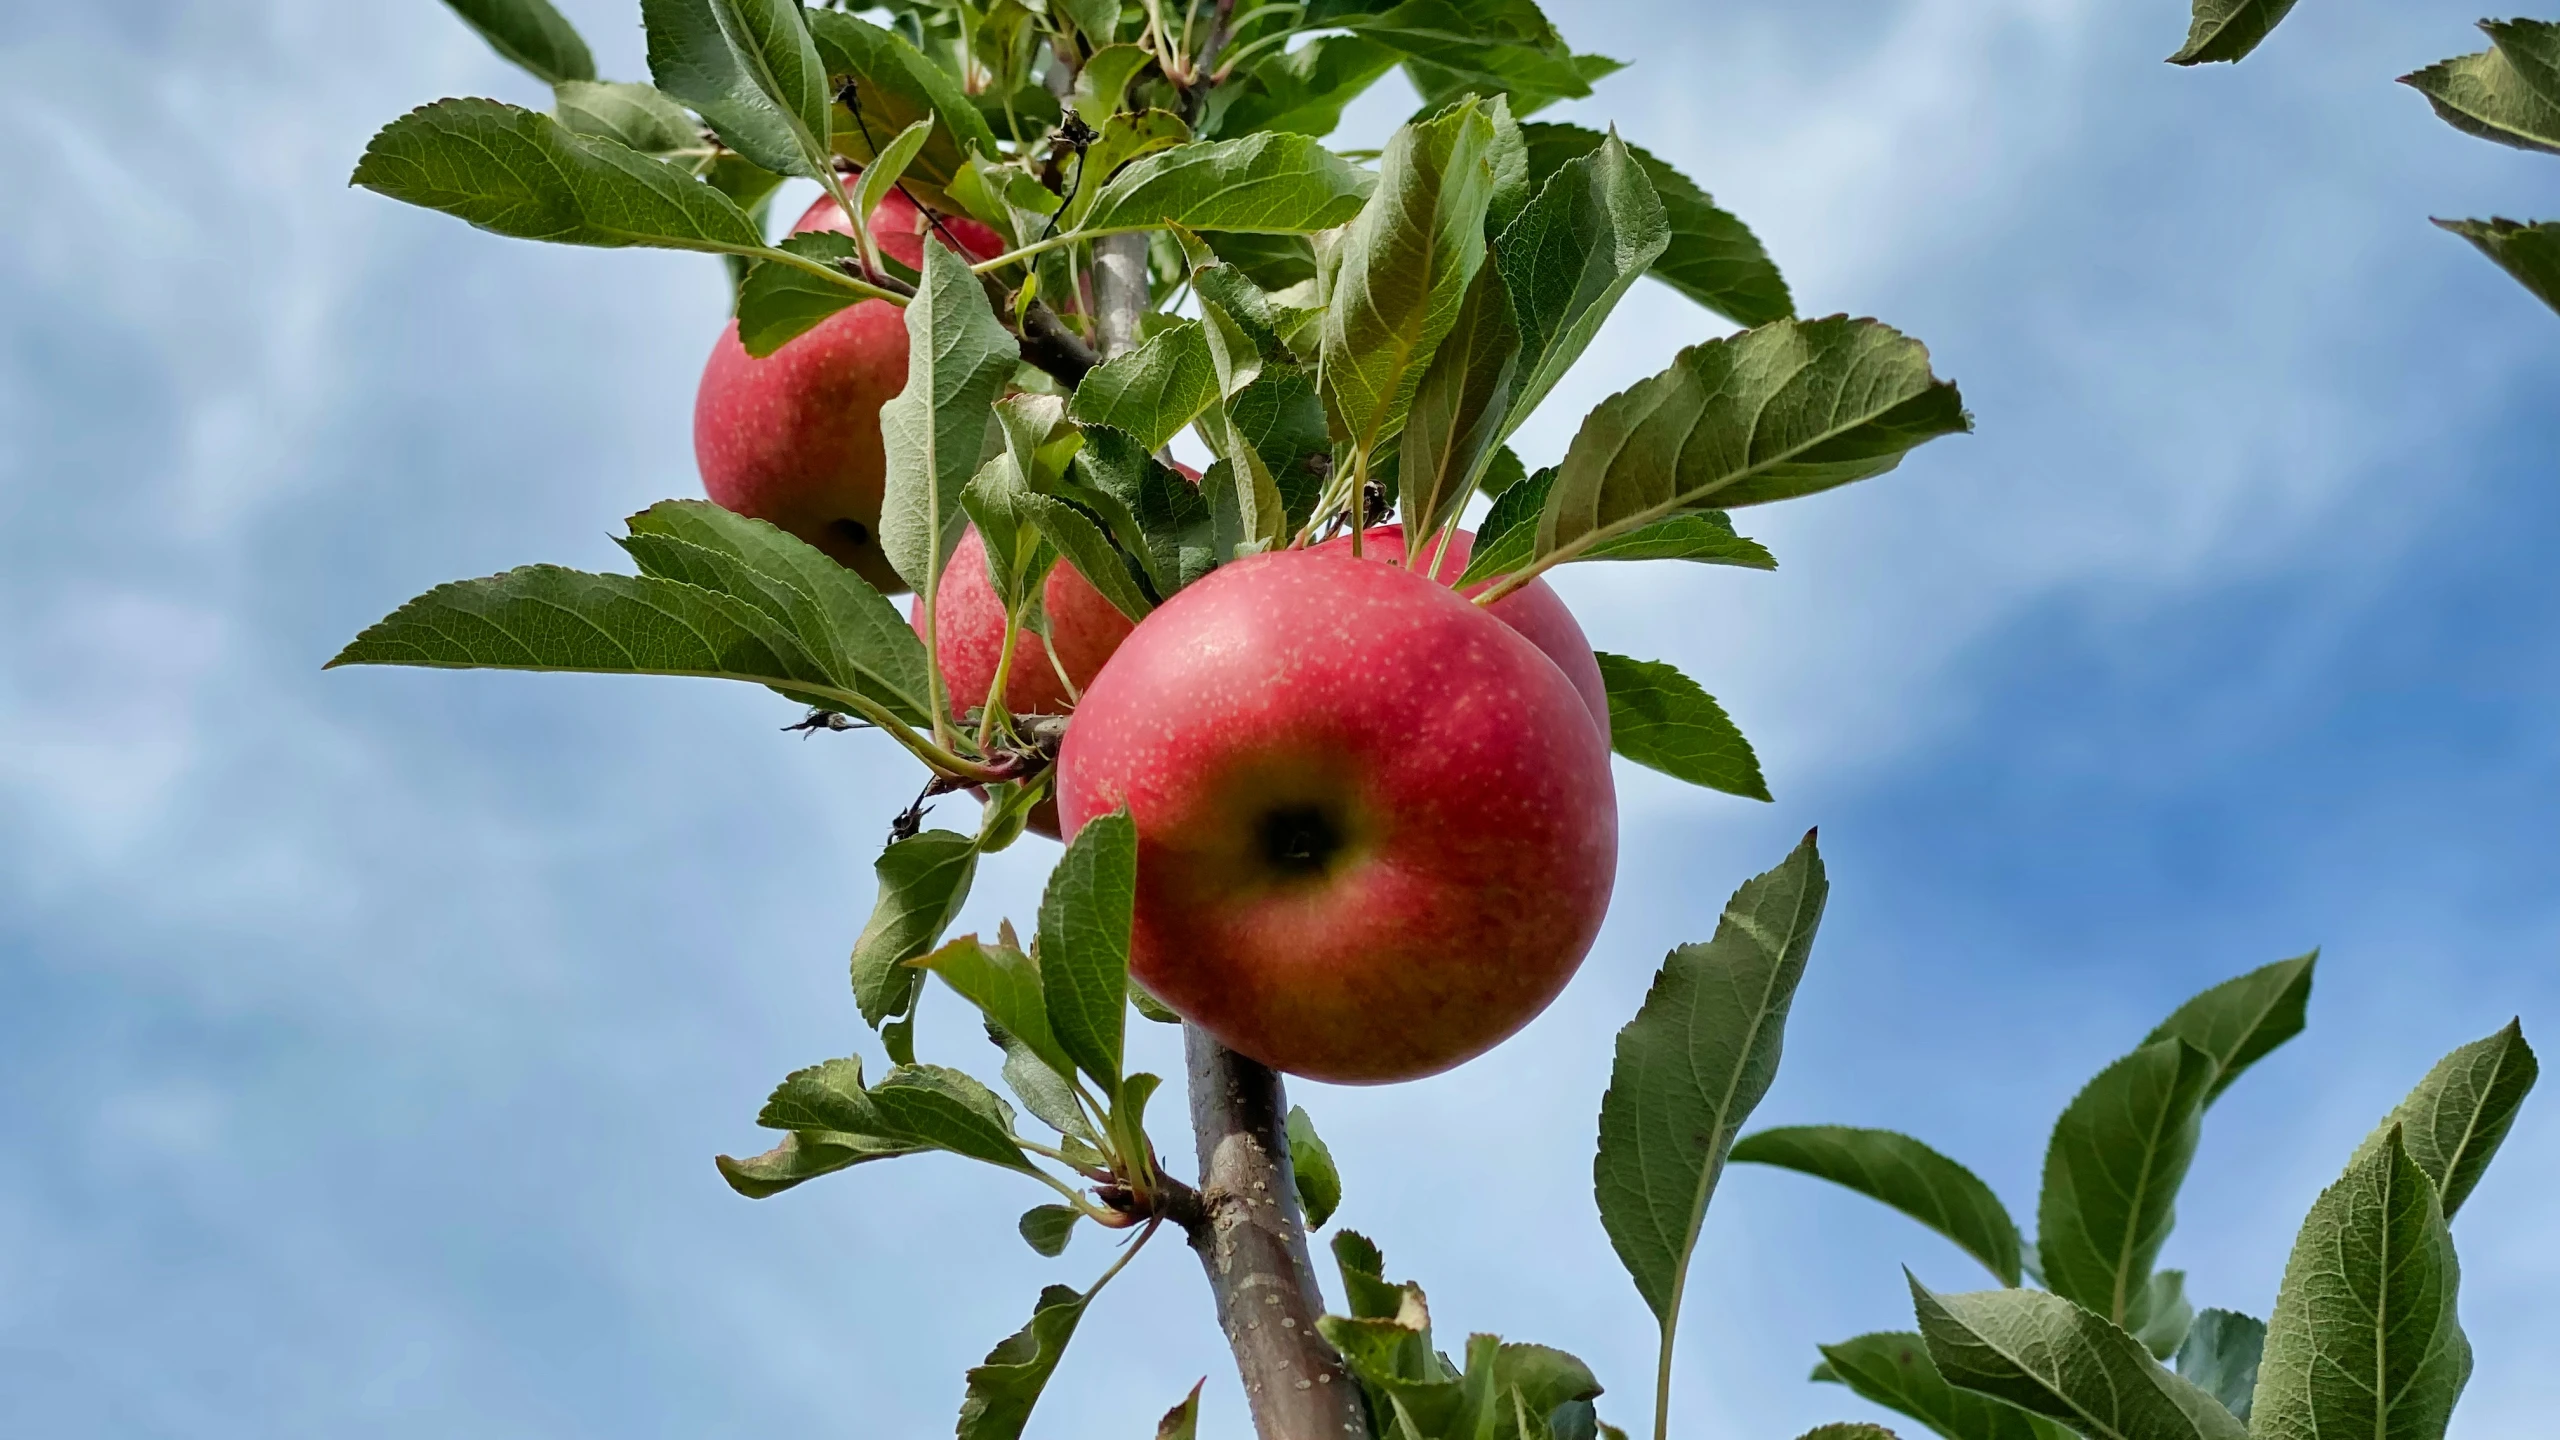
1252, 1241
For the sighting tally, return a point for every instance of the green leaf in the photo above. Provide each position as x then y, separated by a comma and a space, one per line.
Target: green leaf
531, 34
1047, 1228
1893, 1369
2454, 1121
1104, 79
1084, 943
1272, 182
1404, 270
949, 1110
780, 303
936, 429
2111, 1177
858, 639
882, 174
1319, 1184
2529, 252
2532, 48
1711, 257
2166, 1313
2220, 1357
1848, 1430
1691, 1066
923, 880
1303, 90
521, 173
2485, 95
542, 617
805, 1156
2043, 1353
2364, 1340
1282, 418
1042, 1088
1005, 987
1592, 228
1008, 1383
1660, 719
1274, 262
1152, 392
1456, 420
1789, 409
2239, 1021
1510, 537
1080, 538
895, 86
1182, 1422
750, 70
1896, 1170
2228, 29
1127, 1121
1240, 487
1365, 1291
822, 1097
639, 117
1156, 514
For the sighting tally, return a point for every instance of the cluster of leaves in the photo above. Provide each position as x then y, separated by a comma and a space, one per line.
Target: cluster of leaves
2363, 1339
2509, 93
1350, 336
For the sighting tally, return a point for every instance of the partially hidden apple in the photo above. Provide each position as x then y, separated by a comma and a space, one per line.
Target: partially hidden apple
794, 438
968, 632
1376, 826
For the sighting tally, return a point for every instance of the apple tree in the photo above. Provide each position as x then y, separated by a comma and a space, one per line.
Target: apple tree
1052, 236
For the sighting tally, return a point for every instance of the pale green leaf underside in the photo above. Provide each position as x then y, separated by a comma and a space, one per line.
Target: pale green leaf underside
521, 173
2240, 1020
1085, 917
2454, 1120
922, 881
748, 70
2045, 1354
1661, 719
2487, 96
1896, 1170
2111, 1177
531, 34
2228, 29
935, 431
640, 117
2529, 252
1154, 391
1691, 1067
2364, 1343
1271, 183
1893, 1369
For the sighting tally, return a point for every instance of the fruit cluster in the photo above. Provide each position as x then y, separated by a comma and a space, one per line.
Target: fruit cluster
1377, 830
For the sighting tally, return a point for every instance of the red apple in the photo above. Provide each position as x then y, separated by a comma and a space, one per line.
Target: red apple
794, 438
968, 623
1535, 609
1376, 828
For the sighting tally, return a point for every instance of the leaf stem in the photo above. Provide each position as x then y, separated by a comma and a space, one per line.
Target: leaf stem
823, 271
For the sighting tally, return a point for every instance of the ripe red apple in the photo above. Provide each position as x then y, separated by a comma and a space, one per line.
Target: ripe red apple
968, 624
1376, 828
794, 438
1535, 609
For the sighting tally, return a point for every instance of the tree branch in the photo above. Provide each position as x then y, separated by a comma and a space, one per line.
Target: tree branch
1253, 1244
1243, 1221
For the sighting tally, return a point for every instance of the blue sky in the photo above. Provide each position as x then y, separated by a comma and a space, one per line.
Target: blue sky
365, 1037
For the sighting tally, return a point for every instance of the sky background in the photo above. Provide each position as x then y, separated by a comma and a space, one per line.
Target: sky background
365, 1038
